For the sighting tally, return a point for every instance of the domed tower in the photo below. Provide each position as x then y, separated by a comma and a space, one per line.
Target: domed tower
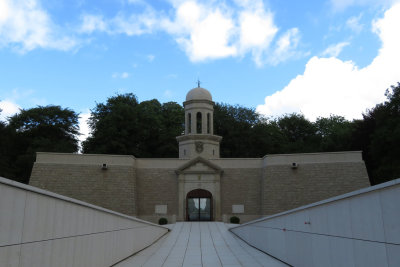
199, 138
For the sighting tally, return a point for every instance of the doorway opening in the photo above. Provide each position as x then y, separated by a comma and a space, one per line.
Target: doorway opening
199, 205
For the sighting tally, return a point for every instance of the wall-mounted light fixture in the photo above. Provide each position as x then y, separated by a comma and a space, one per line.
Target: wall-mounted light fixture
294, 165
104, 167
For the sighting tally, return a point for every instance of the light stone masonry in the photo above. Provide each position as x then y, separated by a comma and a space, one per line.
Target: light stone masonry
156, 187
285, 188
199, 185
113, 188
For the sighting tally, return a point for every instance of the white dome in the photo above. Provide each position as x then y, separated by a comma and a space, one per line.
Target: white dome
198, 93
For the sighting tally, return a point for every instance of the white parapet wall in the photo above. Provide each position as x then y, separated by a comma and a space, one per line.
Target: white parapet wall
40, 228
361, 228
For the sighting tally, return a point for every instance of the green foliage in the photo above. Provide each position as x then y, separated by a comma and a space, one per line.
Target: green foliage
234, 124
378, 135
234, 219
299, 134
124, 126
162, 221
113, 126
49, 128
335, 133
247, 134
172, 126
8, 145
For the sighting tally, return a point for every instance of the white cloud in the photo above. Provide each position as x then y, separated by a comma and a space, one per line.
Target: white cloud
136, 2
212, 30
4, 11
122, 75
135, 24
354, 24
285, 47
208, 30
340, 5
257, 31
332, 86
25, 26
151, 57
91, 23
202, 31
335, 49
8, 108
84, 126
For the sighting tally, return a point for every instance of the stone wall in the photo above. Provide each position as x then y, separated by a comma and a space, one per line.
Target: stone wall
264, 186
113, 188
241, 187
157, 186
285, 188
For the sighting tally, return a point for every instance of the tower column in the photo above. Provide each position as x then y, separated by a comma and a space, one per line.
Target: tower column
212, 124
204, 122
198, 139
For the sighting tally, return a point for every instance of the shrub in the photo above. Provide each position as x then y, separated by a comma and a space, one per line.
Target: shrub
162, 221
235, 220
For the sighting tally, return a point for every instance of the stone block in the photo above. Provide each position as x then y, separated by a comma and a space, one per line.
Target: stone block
237, 208
160, 209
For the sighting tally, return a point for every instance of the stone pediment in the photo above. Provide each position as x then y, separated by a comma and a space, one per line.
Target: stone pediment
199, 165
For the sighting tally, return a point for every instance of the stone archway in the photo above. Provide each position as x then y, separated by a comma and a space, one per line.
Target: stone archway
199, 205
196, 174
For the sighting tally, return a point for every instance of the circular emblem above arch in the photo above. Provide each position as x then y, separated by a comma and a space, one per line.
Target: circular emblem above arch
199, 146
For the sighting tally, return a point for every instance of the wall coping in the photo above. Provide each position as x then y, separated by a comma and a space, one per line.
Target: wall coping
174, 163
71, 200
129, 160
329, 200
322, 157
89, 159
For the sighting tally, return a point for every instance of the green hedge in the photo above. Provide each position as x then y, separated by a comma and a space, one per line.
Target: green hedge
235, 220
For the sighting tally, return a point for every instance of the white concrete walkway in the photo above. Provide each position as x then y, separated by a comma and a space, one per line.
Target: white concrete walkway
200, 244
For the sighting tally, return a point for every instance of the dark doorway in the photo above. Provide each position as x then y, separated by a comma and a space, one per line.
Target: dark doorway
199, 205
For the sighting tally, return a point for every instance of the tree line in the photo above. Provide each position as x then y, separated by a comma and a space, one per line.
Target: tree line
147, 129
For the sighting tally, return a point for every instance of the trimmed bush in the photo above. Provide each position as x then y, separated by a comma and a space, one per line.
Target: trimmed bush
235, 220
162, 221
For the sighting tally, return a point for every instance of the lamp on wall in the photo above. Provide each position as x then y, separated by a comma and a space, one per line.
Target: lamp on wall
104, 167
294, 165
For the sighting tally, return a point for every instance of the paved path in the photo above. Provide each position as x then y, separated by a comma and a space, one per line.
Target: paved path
200, 244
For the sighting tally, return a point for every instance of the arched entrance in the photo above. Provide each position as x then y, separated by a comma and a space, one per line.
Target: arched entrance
199, 205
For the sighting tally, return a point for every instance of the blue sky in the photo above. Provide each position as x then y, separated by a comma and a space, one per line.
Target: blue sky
315, 57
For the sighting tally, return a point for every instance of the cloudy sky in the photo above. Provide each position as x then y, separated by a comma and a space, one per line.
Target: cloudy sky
315, 57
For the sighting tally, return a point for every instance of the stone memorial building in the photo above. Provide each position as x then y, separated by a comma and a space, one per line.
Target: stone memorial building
199, 185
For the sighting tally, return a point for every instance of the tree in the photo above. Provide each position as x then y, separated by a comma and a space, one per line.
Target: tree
234, 124
299, 134
335, 133
378, 135
6, 150
124, 126
113, 127
49, 128
267, 138
150, 120
172, 126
